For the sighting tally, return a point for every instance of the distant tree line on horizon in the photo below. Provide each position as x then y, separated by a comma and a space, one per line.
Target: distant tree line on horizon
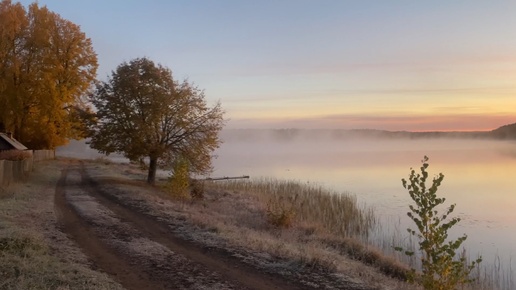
506, 132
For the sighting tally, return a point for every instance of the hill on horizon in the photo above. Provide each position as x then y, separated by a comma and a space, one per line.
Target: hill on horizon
505, 132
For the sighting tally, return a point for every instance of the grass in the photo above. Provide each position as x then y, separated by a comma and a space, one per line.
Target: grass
324, 225
327, 229
336, 212
34, 254
28, 263
234, 215
489, 275
324, 219
495, 276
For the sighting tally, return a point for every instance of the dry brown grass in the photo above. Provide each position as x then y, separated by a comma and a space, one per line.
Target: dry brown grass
228, 214
321, 233
280, 214
324, 229
324, 226
233, 218
339, 213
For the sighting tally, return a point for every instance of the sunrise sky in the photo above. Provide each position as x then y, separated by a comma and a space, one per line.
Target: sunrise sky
394, 65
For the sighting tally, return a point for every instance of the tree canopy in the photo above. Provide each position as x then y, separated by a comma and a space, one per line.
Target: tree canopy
143, 112
46, 65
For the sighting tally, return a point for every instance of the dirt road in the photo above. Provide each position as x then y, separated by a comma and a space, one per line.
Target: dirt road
141, 251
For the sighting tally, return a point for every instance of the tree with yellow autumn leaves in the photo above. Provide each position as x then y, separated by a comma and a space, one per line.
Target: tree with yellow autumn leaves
47, 65
47, 72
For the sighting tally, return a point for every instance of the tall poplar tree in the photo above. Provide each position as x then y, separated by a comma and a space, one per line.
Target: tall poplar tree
143, 113
46, 66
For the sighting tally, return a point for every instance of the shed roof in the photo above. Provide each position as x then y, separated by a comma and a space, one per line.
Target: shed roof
10, 143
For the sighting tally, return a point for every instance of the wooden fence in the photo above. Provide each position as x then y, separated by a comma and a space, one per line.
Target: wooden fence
16, 171
40, 155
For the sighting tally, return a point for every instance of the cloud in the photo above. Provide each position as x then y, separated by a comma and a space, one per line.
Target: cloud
330, 65
444, 122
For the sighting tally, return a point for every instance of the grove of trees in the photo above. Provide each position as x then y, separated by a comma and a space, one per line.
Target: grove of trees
142, 112
47, 65
48, 86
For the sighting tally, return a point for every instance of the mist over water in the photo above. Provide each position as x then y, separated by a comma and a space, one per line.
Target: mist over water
479, 176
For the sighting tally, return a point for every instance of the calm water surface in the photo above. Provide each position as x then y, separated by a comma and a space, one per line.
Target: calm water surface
480, 177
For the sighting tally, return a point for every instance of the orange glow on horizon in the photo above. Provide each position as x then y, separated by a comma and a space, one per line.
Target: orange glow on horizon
443, 123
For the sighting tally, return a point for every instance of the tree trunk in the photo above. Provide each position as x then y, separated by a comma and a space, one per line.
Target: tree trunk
153, 165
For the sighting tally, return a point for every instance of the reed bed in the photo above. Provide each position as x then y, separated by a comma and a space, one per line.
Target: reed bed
488, 275
339, 213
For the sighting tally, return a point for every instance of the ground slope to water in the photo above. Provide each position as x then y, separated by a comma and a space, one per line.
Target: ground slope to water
142, 252
95, 219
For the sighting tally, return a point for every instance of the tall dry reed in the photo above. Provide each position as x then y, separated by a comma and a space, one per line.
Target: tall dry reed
339, 213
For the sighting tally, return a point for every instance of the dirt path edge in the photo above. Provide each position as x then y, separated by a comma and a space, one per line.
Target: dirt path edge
213, 259
101, 256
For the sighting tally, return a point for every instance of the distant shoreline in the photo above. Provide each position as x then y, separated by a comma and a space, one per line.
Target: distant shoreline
507, 132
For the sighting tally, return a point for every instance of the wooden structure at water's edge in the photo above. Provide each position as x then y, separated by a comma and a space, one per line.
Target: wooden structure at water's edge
227, 177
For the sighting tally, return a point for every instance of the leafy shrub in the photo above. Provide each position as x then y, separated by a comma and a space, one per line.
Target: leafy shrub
280, 211
440, 269
179, 183
196, 189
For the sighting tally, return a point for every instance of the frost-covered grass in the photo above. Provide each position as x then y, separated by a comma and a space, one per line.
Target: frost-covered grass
34, 253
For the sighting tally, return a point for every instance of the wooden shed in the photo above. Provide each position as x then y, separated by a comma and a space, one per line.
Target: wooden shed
7, 142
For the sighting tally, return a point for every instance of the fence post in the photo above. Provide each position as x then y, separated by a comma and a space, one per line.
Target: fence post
8, 172
2, 170
14, 171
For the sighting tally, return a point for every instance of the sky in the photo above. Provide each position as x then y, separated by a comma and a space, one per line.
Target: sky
391, 65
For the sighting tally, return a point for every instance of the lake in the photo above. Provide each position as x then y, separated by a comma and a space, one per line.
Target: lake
480, 177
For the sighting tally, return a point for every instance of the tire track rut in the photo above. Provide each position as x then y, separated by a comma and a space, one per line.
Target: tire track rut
142, 252
101, 256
